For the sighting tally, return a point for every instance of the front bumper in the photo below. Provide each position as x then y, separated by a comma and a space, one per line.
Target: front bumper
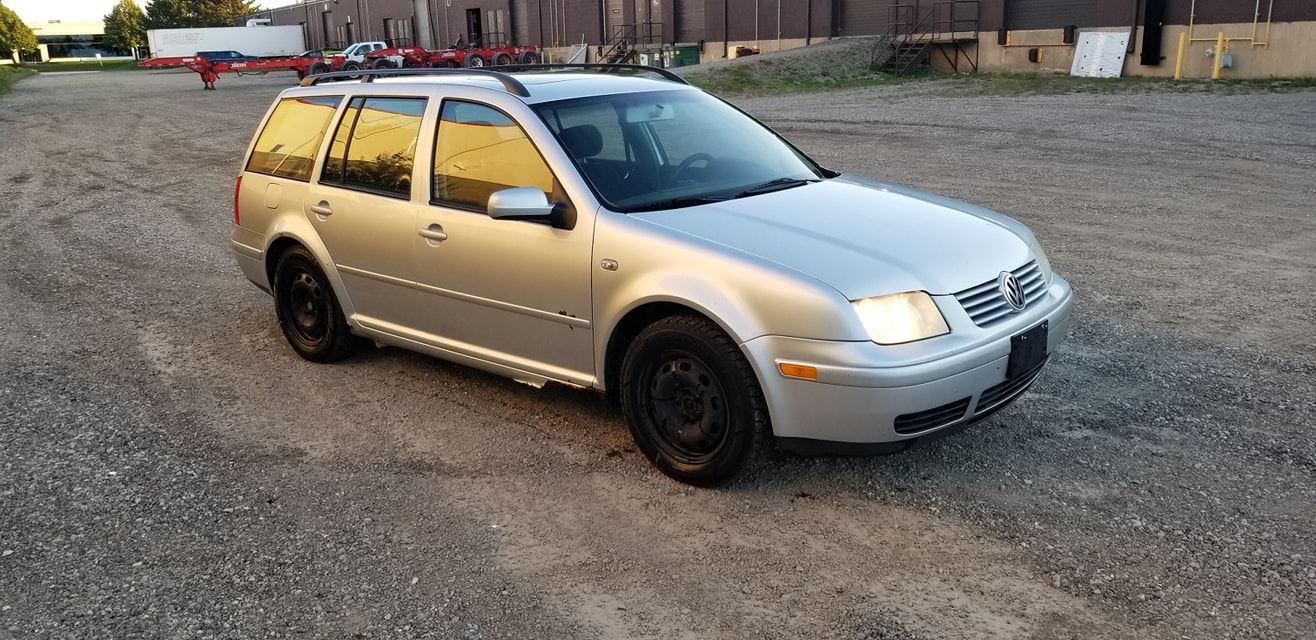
889, 397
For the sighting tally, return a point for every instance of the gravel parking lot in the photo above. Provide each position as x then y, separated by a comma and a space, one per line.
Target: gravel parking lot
171, 469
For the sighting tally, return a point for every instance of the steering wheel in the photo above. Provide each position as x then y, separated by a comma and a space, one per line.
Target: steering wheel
685, 164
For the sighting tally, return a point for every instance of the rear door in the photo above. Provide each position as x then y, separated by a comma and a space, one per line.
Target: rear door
361, 205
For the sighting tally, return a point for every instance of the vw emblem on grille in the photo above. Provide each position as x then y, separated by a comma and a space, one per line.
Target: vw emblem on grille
1011, 291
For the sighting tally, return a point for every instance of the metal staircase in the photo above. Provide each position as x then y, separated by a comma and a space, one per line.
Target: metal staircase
627, 40
916, 29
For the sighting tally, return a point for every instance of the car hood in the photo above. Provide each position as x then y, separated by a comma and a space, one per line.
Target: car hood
863, 238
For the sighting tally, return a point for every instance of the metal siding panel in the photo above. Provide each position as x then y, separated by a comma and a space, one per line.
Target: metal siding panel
862, 17
520, 22
1228, 11
689, 20
1051, 14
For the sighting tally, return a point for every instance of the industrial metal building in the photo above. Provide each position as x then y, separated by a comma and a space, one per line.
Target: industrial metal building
1265, 37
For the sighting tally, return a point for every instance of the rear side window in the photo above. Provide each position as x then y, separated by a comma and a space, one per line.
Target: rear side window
287, 145
374, 146
480, 150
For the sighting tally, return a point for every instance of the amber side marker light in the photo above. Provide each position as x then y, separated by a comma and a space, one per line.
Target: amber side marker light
801, 371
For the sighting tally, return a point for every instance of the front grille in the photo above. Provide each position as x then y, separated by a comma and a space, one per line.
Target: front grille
932, 418
1008, 390
986, 305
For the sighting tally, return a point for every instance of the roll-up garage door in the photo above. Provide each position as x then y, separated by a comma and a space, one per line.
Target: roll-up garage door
689, 20
1050, 14
862, 17
520, 23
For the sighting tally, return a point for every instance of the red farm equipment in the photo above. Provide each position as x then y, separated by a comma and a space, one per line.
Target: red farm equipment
392, 58
416, 57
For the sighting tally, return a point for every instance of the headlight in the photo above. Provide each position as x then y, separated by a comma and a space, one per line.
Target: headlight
901, 317
1042, 262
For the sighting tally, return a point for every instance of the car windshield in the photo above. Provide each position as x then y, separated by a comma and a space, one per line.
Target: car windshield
671, 149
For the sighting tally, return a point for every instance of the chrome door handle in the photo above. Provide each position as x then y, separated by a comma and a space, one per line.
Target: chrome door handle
434, 233
321, 208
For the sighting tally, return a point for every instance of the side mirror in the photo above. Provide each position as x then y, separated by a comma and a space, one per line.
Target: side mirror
521, 203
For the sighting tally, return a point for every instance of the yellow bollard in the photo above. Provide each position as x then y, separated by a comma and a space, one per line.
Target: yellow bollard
1178, 61
1219, 55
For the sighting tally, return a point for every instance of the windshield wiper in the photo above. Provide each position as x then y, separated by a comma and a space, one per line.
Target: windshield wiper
677, 202
775, 185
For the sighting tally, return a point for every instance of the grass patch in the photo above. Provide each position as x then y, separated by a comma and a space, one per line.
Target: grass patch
1001, 84
771, 77
91, 65
10, 74
848, 69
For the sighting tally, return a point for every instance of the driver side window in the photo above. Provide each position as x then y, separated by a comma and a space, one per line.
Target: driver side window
480, 150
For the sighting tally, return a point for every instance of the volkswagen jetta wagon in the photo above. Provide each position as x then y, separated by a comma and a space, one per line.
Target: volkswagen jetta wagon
640, 237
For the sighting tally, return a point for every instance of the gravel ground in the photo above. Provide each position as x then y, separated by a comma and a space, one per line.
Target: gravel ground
171, 469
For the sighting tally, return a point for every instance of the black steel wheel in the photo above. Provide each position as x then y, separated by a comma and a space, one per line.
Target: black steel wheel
318, 68
308, 310
382, 63
529, 57
502, 59
691, 400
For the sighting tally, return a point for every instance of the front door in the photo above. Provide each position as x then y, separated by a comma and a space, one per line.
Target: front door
361, 206
474, 28
512, 292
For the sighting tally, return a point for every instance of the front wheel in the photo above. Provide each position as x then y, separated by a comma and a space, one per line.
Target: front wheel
308, 310
691, 400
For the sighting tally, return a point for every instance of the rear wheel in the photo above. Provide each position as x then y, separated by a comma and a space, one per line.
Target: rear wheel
475, 60
317, 68
529, 57
502, 58
383, 63
691, 400
308, 310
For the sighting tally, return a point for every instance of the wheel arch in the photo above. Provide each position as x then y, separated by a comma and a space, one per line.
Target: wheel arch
644, 313
285, 236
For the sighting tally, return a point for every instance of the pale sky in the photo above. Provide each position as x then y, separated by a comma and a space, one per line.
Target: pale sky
35, 11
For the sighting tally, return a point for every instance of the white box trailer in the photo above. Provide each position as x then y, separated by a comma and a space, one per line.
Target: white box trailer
262, 42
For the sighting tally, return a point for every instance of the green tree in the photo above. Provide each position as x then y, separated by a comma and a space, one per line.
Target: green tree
223, 13
125, 28
171, 14
177, 14
14, 35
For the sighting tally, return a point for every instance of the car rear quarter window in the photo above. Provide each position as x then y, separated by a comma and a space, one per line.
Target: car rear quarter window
374, 146
291, 138
480, 150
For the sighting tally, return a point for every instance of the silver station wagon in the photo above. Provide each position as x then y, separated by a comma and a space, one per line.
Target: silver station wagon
638, 236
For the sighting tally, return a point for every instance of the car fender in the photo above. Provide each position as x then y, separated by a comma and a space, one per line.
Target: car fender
639, 263
298, 228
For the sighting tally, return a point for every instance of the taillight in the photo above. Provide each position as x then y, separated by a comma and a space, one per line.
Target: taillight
237, 191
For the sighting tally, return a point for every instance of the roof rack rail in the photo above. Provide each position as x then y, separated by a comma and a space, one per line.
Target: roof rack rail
368, 75
594, 66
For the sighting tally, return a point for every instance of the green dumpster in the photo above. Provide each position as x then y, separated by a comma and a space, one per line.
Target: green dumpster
685, 55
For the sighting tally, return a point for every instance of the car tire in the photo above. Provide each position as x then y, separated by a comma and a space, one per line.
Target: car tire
475, 60
383, 63
691, 400
502, 59
308, 310
317, 68
529, 57
351, 66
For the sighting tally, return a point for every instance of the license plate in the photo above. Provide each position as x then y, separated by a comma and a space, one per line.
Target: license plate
1027, 350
